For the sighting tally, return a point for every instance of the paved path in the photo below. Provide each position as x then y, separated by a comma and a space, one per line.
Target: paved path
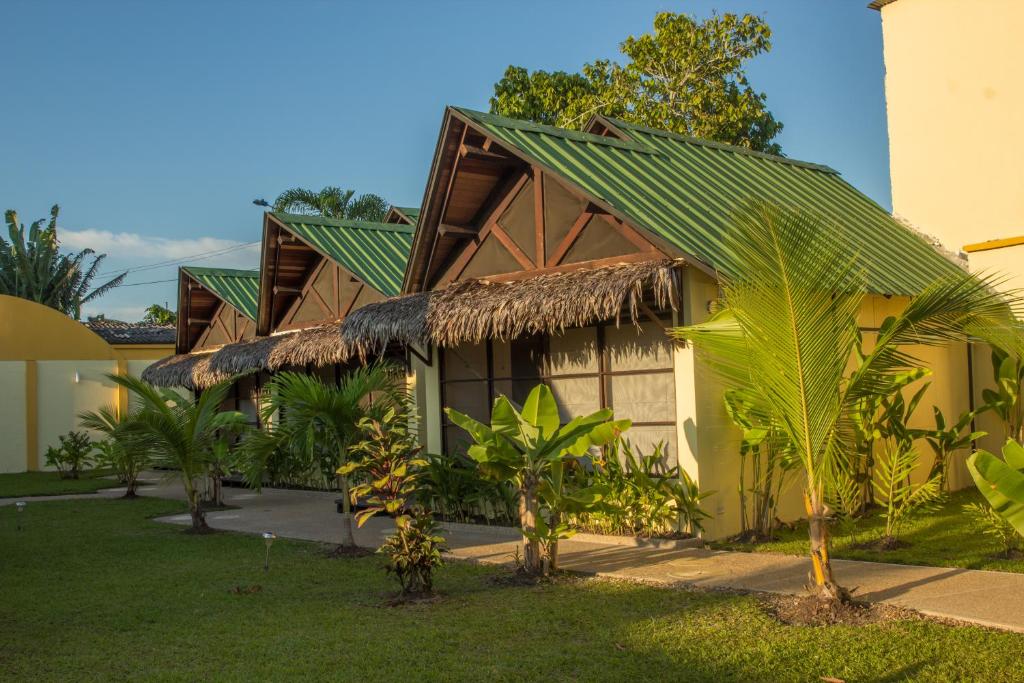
989, 598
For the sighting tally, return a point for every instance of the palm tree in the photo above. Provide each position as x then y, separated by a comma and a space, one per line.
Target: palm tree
33, 268
121, 450
332, 202
787, 330
316, 423
183, 434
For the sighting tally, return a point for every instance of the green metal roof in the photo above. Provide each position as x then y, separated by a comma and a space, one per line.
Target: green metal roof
239, 288
410, 212
376, 253
683, 190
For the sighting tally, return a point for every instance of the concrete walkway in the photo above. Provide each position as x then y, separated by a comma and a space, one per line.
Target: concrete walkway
988, 598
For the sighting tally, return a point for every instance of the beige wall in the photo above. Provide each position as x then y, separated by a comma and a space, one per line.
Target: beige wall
61, 398
955, 98
12, 417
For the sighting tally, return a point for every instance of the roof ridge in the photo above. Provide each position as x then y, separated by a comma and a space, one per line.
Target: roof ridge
619, 123
342, 222
225, 272
566, 133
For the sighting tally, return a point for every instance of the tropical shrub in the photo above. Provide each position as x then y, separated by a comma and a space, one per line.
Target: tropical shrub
787, 328
532, 449
121, 450
181, 434
1001, 482
72, 456
901, 499
995, 527
768, 457
388, 464
454, 490
1005, 399
311, 425
644, 497
946, 442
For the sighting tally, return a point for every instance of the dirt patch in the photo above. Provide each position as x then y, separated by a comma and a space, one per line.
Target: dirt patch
201, 531
412, 599
810, 610
346, 551
1011, 554
246, 590
883, 544
520, 578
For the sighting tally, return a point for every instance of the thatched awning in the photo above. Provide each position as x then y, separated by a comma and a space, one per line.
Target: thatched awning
188, 370
468, 311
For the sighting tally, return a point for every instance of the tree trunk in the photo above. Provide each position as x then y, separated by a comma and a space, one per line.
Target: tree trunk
198, 516
532, 560
348, 538
556, 519
132, 484
824, 584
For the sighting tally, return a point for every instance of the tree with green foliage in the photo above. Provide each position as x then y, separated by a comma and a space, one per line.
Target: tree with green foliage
332, 202
314, 424
33, 267
687, 77
159, 315
182, 434
786, 329
531, 448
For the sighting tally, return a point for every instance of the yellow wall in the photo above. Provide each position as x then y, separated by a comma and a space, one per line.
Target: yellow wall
52, 368
955, 104
709, 442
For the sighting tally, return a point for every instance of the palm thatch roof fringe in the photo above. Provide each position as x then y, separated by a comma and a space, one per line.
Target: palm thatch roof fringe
320, 345
475, 310
468, 311
188, 370
398, 320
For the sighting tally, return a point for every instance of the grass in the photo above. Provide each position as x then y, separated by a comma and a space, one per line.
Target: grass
947, 537
94, 590
26, 484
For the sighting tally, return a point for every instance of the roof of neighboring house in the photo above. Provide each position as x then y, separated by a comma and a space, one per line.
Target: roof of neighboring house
376, 253
239, 288
879, 4
410, 212
683, 190
120, 332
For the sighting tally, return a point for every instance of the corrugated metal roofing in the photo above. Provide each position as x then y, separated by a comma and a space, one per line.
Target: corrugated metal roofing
410, 212
376, 253
683, 190
239, 288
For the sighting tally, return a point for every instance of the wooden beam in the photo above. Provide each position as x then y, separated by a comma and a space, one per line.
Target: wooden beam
198, 321
629, 233
455, 231
538, 215
281, 289
569, 239
467, 151
584, 265
595, 209
512, 247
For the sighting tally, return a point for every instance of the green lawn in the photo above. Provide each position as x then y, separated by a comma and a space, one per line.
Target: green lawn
92, 589
50, 484
945, 538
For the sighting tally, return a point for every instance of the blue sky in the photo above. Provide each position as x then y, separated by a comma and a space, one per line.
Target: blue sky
155, 124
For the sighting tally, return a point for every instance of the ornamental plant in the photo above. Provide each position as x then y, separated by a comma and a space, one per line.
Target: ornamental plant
530, 448
388, 465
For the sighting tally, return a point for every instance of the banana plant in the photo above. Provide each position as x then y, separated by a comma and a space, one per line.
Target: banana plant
531, 448
1002, 481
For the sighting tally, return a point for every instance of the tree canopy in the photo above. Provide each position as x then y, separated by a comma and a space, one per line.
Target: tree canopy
33, 267
159, 315
332, 202
687, 77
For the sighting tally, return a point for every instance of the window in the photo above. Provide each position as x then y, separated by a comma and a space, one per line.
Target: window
627, 368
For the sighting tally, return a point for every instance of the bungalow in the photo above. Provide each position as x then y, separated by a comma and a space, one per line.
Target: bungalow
560, 256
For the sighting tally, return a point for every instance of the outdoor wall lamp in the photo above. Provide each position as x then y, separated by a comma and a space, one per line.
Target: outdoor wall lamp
78, 377
20, 506
268, 538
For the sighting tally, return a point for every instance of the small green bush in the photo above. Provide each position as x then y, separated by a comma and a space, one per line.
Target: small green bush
72, 456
